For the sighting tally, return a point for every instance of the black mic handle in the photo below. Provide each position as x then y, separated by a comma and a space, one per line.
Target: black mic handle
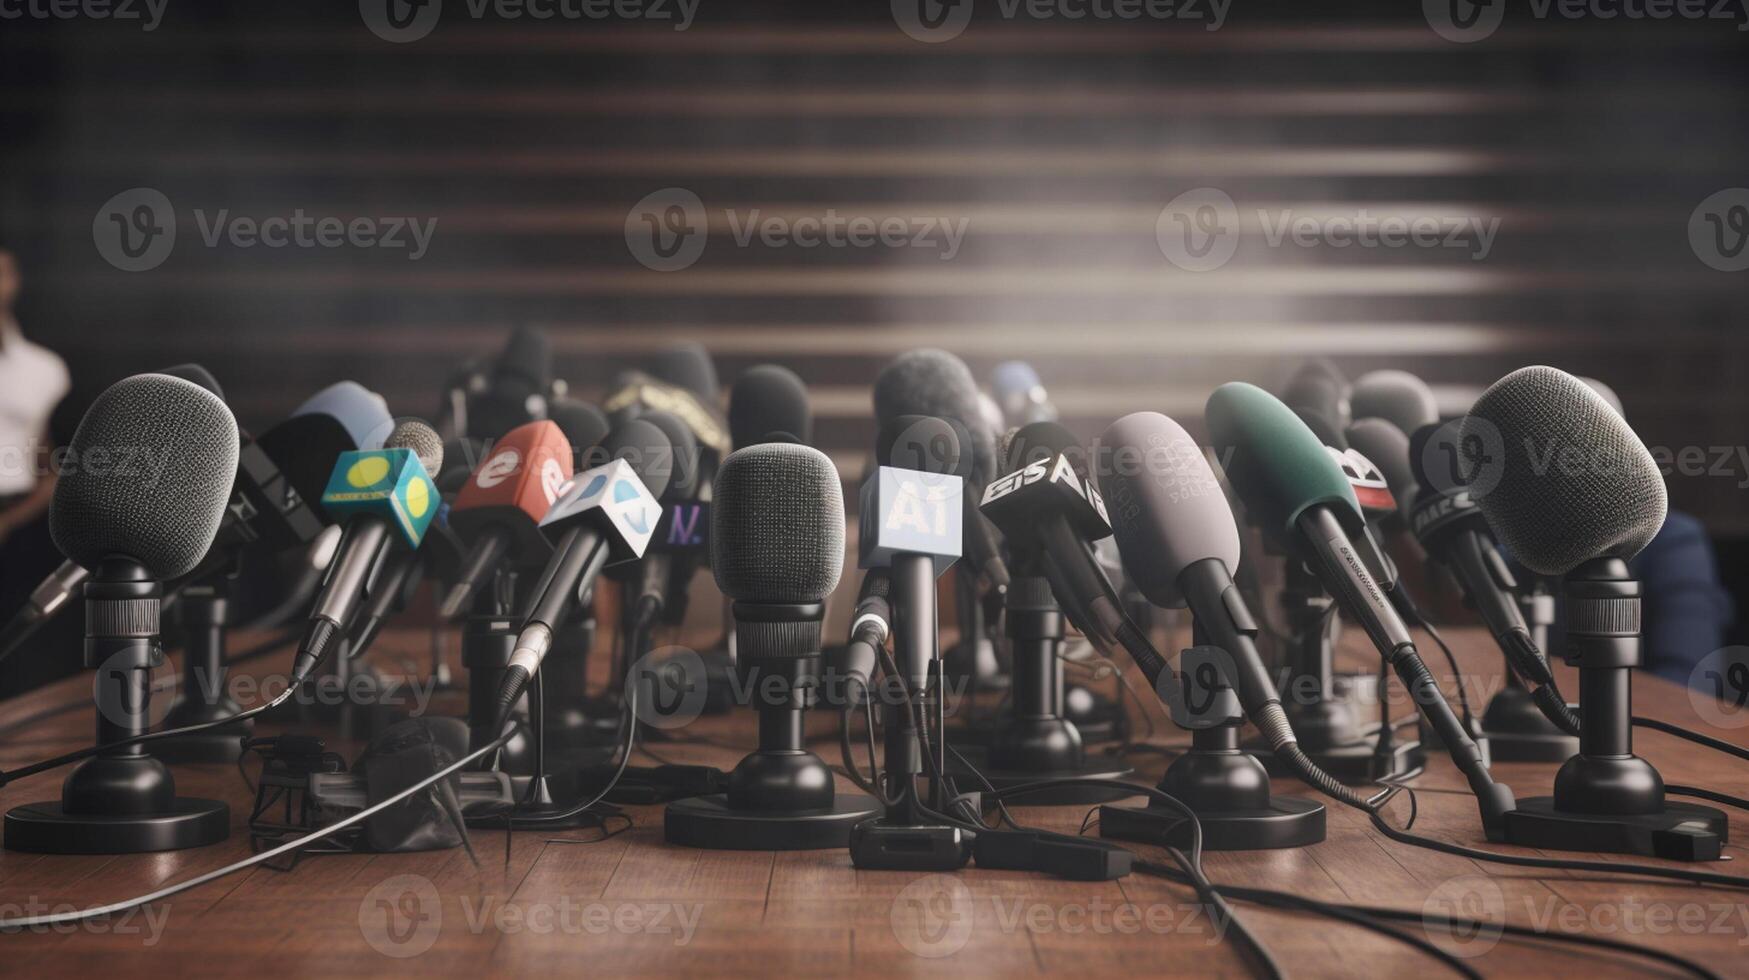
580, 548
1344, 572
477, 568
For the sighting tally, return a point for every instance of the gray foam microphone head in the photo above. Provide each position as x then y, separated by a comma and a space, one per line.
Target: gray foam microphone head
197, 374
426, 444
934, 382
149, 475
769, 403
1572, 481
684, 457
687, 365
1321, 386
923, 443
584, 425
1398, 397
777, 525
1607, 394
644, 446
1167, 510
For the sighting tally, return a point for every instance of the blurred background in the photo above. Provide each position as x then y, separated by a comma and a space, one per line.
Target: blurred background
609, 176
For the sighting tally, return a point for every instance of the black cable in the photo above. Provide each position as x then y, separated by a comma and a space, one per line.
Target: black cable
1693, 736
1457, 674
1707, 794
57, 918
1331, 910
628, 719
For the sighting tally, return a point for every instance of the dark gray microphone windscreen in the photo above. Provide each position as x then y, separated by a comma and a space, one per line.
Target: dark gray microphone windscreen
769, 403
923, 443
777, 524
422, 439
688, 366
683, 475
1320, 385
147, 476
1559, 475
1398, 397
644, 446
197, 374
1167, 510
583, 424
934, 382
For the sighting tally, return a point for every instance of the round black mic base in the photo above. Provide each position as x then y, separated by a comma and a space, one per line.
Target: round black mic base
45, 828
709, 822
1288, 821
1002, 779
538, 816
1517, 730
1678, 832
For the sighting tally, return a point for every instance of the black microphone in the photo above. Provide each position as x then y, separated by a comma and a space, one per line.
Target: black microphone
769, 403
660, 580
605, 514
385, 496
935, 383
1294, 487
516, 389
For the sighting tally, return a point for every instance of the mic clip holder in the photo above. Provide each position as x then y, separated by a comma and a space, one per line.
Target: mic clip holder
1226, 787
1606, 798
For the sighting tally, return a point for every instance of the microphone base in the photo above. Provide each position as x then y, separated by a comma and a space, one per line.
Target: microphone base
1001, 779
47, 828
878, 845
1678, 832
1288, 821
710, 822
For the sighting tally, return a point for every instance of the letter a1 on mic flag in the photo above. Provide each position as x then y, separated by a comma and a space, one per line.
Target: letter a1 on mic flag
389, 483
910, 512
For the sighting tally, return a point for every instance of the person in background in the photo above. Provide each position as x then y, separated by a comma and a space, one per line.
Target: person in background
33, 380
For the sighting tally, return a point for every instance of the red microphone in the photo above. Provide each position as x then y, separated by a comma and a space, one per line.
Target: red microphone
499, 510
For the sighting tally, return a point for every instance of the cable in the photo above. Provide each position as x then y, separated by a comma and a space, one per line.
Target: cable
1707, 794
36, 921
1693, 736
1457, 674
628, 720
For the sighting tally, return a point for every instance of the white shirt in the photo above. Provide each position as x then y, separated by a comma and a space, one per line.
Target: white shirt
33, 380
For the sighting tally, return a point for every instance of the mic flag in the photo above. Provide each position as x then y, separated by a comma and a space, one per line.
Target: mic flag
910, 512
388, 483
643, 393
684, 527
1050, 485
1371, 490
613, 500
515, 488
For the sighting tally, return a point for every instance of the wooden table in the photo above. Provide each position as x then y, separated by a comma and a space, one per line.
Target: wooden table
635, 905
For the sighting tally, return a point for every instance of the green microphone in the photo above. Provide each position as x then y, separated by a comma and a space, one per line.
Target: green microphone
1296, 489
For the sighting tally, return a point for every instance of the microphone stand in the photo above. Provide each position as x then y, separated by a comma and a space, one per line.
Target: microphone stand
122, 801
1606, 798
1035, 741
900, 839
204, 615
1228, 788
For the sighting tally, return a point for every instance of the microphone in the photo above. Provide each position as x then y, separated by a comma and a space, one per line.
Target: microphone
661, 578
1179, 544
382, 495
516, 391
583, 424
1387, 448
769, 403
606, 514
1295, 489
1397, 397
343, 417
935, 383
1047, 506
1571, 490
1319, 385
499, 509
1021, 394
688, 365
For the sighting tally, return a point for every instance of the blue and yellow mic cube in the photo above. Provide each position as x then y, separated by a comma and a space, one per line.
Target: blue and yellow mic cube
388, 483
